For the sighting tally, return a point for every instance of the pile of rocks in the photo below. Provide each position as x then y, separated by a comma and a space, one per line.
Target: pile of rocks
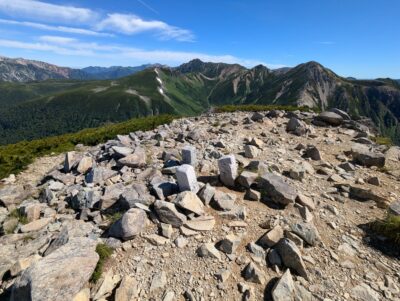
262, 205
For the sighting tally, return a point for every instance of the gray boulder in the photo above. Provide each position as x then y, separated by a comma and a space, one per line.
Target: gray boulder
330, 118
168, 214
129, 225
60, 275
276, 189
363, 156
291, 256
228, 170
189, 155
186, 178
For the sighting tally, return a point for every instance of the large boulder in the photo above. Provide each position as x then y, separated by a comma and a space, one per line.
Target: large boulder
228, 170
363, 156
129, 225
59, 276
277, 190
186, 178
330, 118
291, 256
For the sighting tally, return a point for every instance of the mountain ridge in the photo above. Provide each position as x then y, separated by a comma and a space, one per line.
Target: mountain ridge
190, 89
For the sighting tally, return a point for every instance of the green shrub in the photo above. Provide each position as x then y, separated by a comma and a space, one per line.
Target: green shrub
104, 252
22, 219
257, 108
16, 157
388, 227
382, 140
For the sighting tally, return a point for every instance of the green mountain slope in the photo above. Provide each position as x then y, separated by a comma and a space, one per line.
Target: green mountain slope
52, 108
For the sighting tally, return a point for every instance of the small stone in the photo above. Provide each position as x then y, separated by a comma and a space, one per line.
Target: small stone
166, 230
128, 289
202, 223
291, 256
229, 244
181, 242
159, 281
247, 178
307, 232
206, 194
224, 201
252, 195
374, 181
276, 189
250, 151
156, 240
253, 274
35, 225
271, 238
208, 250
223, 275
305, 201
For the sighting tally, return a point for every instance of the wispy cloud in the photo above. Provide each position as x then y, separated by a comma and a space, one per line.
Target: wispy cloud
132, 24
148, 6
128, 24
63, 29
33, 9
74, 47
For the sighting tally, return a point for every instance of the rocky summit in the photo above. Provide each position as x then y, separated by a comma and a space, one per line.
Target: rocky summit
231, 206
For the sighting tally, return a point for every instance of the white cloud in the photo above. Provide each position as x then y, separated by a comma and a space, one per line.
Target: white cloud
64, 29
131, 24
33, 9
111, 53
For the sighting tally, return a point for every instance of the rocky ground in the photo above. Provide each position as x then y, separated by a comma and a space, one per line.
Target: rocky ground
239, 206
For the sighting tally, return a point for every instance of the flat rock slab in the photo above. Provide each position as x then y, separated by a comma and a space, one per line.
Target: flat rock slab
276, 189
36, 225
59, 276
204, 223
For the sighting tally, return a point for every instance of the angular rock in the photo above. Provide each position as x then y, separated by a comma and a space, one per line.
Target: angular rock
166, 230
307, 232
284, 289
128, 289
229, 244
271, 238
252, 195
250, 151
189, 201
85, 164
291, 256
122, 151
156, 240
363, 156
186, 178
105, 286
364, 292
296, 127
61, 239
189, 155
129, 225
276, 189
228, 170
208, 250
168, 214
257, 117
253, 274
313, 153
69, 161
247, 178
159, 281
224, 201
134, 160
45, 280
305, 201
394, 208
207, 193
23, 264
35, 225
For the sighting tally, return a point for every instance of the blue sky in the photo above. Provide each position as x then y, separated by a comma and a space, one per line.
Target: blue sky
352, 37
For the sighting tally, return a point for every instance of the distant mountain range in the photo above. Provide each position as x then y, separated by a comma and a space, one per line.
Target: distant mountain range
22, 70
33, 110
